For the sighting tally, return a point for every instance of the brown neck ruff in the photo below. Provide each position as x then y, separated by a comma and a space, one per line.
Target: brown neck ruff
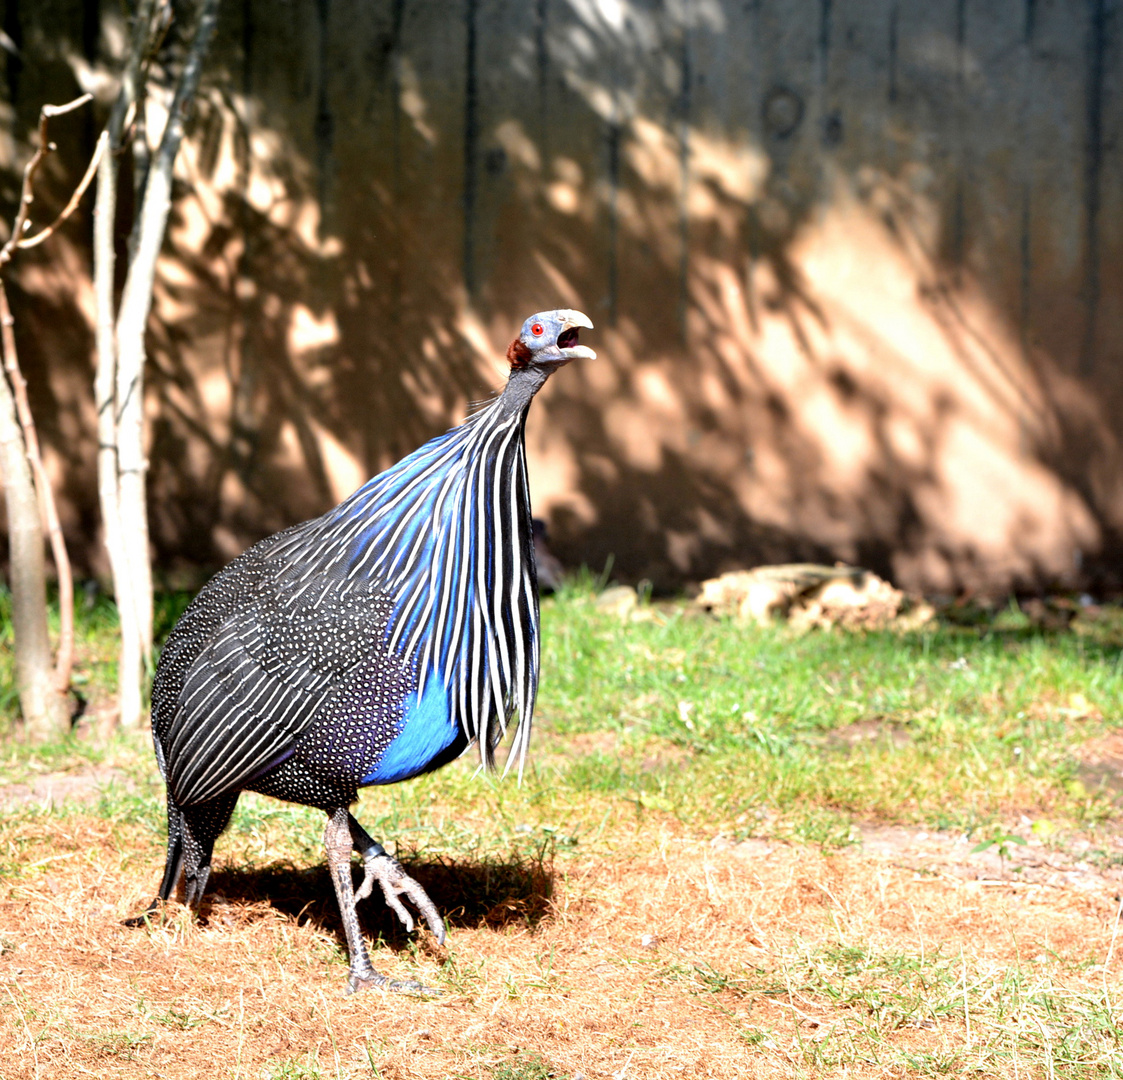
518, 354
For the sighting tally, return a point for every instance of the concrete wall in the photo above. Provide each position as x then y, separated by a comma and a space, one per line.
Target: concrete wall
855, 267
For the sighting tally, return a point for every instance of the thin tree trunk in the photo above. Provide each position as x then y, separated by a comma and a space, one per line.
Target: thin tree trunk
48, 509
43, 707
31, 503
119, 387
130, 665
129, 670
132, 320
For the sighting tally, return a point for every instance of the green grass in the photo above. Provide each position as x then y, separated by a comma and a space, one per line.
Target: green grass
853, 998
306, 1069
677, 724
956, 726
716, 726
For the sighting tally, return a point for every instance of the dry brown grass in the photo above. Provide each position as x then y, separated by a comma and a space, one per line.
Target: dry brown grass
690, 959
646, 949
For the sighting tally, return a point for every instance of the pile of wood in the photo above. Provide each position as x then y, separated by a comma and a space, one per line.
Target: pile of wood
809, 596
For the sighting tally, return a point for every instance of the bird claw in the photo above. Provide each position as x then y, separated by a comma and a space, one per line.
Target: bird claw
371, 980
395, 882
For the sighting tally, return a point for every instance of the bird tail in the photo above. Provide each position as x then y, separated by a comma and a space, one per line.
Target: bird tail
174, 864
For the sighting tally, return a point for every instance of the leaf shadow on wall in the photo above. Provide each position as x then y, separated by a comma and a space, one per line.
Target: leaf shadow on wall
356, 238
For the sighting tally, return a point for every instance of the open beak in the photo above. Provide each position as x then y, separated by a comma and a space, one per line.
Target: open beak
567, 339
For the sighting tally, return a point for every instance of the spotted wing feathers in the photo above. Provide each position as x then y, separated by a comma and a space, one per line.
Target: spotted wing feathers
253, 660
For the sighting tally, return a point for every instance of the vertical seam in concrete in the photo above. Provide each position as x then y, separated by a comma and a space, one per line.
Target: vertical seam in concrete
1026, 251
471, 147
614, 133
1093, 166
824, 40
240, 447
397, 20
894, 16
958, 225
685, 92
1026, 245
823, 143
324, 122
542, 63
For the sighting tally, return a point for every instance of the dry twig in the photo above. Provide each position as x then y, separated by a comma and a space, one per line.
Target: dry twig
48, 507
45, 147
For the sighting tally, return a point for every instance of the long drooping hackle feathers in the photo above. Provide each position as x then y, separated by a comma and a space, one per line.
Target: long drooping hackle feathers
369, 645
432, 554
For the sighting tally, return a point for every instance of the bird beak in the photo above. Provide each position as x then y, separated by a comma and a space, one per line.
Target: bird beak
567, 339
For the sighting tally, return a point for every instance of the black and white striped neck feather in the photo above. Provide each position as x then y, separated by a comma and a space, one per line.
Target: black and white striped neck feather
445, 534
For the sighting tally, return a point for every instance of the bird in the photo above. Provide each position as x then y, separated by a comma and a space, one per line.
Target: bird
367, 646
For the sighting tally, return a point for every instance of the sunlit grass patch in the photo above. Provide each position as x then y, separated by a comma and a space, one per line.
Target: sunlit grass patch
681, 885
873, 725
746, 729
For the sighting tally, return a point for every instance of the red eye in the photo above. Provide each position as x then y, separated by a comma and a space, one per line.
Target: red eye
537, 329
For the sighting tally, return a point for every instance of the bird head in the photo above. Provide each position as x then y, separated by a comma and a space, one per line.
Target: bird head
549, 340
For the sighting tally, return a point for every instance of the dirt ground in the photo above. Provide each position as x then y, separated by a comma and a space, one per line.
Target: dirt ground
690, 958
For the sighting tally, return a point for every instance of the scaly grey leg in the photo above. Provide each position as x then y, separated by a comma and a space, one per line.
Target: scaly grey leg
337, 843
382, 867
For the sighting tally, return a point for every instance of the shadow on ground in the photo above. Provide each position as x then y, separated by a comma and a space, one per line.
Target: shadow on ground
498, 892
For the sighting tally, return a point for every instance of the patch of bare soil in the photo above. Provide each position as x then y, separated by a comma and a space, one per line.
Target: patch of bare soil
1101, 762
53, 788
1005, 864
593, 969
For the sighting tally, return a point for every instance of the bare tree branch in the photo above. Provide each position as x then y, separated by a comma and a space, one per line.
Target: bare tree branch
17, 387
44, 148
132, 320
130, 668
75, 199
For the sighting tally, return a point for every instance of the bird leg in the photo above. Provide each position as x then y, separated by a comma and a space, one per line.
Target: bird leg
191, 835
337, 842
380, 866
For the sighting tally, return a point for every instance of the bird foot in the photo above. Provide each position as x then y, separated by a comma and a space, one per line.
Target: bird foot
395, 882
371, 980
144, 918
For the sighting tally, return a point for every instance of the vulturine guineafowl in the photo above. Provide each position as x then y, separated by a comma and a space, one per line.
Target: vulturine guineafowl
367, 646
